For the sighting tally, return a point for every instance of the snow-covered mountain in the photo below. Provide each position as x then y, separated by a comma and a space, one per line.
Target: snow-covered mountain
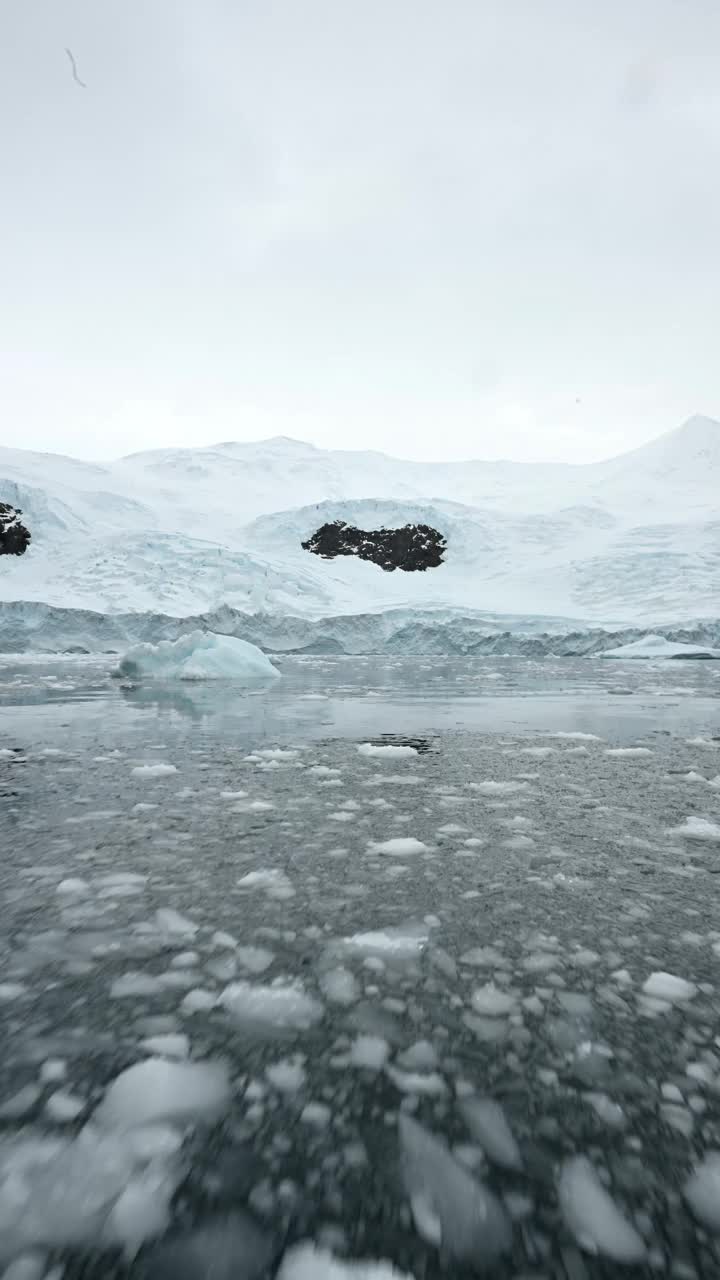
633, 540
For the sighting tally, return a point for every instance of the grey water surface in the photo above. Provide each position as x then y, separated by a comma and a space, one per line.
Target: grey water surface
475, 919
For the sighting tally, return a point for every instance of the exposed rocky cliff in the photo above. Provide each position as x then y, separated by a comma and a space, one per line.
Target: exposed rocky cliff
411, 548
14, 537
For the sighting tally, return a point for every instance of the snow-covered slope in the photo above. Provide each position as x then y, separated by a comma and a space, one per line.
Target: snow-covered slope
183, 532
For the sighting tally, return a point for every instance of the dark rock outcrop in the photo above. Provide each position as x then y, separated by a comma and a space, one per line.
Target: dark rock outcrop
14, 537
411, 548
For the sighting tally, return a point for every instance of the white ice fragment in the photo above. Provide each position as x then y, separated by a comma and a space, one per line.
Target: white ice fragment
271, 880
668, 987
492, 1002
153, 770
283, 1005
627, 752
63, 1106
11, 991
220, 939
173, 925
398, 944
369, 1051
307, 1262
491, 788
702, 1190
198, 1001
157, 1089
57, 1193
606, 1110
53, 1070
172, 1045
316, 1114
142, 1211
449, 1206
388, 752
73, 887
398, 846
339, 986
592, 1215
697, 829
287, 1076
255, 959
488, 1125
135, 984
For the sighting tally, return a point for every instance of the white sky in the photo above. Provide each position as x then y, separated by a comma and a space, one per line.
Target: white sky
442, 228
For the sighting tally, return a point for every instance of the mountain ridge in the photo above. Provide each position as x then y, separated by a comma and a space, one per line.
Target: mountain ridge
634, 539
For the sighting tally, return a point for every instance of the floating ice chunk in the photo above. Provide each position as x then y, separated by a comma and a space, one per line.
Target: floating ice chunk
592, 1215
75, 887
173, 925
97, 1190
702, 1190
491, 788
63, 1106
135, 984
255, 959
668, 987
398, 847
141, 1212
157, 1089
654, 646
278, 753
270, 879
370, 1052
287, 1076
198, 1001
11, 991
488, 1125
200, 655
220, 939
172, 1045
392, 944
282, 1005
606, 1110
492, 1002
388, 752
153, 770
316, 1114
623, 752
307, 1262
449, 1206
339, 986
697, 829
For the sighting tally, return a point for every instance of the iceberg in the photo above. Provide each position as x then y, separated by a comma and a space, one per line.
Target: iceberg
200, 655
658, 647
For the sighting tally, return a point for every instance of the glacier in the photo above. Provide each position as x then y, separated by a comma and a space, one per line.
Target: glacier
540, 557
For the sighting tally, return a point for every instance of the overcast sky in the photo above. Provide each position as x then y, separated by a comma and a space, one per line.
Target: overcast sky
442, 228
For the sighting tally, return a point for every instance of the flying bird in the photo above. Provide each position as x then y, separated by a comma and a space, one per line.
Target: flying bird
75, 75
